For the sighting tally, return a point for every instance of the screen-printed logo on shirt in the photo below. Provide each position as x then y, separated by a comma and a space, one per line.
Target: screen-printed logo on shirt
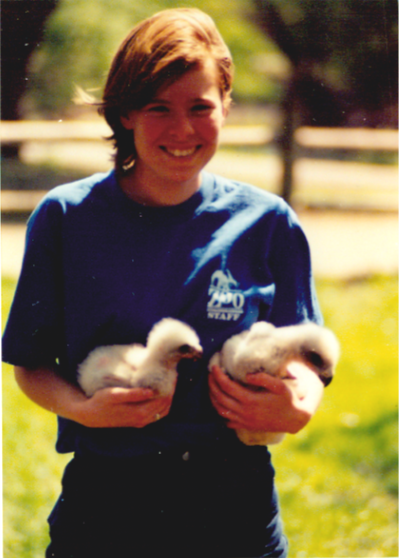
226, 300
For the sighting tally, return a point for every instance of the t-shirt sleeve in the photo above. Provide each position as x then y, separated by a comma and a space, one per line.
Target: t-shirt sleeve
33, 332
295, 298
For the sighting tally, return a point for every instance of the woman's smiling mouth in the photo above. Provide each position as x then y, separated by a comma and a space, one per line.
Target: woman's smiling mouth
180, 152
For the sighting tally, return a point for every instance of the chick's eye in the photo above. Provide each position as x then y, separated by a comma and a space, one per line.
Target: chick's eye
184, 349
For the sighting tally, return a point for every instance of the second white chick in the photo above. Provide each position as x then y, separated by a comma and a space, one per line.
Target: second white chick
269, 349
153, 366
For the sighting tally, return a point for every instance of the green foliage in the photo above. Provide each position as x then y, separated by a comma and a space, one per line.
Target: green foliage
31, 468
337, 478
345, 53
82, 37
80, 40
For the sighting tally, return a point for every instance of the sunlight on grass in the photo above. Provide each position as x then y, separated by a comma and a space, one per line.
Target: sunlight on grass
31, 468
337, 478
32, 472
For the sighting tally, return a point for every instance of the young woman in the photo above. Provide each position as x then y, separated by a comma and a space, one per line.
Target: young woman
109, 256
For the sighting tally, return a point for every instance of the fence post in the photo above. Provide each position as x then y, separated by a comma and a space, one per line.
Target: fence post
286, 141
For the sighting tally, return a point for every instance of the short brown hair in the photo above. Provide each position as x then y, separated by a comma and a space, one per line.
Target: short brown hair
155, 53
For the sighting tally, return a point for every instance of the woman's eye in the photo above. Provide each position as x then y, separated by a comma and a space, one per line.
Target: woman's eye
157, 108
202, 107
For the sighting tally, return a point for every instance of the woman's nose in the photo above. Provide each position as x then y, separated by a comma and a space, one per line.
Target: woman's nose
181, 126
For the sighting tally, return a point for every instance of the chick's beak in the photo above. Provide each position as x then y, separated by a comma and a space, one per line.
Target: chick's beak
197, 353
188, 351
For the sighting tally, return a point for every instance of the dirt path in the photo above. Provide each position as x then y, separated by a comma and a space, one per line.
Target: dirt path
347, 245
343, 245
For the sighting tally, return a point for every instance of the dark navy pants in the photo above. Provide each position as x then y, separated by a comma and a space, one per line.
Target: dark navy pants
209, 503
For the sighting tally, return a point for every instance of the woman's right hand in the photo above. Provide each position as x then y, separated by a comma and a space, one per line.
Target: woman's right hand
122, 407
108, 408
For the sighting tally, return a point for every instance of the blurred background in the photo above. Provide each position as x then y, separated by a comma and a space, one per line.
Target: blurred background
314, 120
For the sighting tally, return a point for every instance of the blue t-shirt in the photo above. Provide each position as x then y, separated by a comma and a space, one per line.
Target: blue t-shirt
100, 269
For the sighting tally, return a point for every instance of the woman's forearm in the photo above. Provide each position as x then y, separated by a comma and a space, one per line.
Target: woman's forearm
49, 390
278, 407
108, 408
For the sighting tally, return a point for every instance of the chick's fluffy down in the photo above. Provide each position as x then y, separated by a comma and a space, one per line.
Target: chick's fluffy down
265, 348
153, 366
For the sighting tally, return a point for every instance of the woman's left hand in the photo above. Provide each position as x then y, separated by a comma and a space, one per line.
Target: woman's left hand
280, 406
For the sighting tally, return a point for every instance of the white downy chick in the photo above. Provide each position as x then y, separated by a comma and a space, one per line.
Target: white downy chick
265, 348
130, 366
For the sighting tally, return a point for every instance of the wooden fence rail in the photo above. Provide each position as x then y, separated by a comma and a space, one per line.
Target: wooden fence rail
330, 138
70, 130
349, 176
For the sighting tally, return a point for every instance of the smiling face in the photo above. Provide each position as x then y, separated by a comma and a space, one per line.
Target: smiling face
175, 136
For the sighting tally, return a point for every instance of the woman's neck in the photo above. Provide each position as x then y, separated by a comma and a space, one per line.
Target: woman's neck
155, 193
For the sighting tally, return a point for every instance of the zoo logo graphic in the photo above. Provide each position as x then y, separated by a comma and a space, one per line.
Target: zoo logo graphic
227, 301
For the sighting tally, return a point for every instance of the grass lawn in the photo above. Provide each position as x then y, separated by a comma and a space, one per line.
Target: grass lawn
337, 479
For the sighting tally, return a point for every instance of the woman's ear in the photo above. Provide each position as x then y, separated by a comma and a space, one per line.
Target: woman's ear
225, 110
127, 120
